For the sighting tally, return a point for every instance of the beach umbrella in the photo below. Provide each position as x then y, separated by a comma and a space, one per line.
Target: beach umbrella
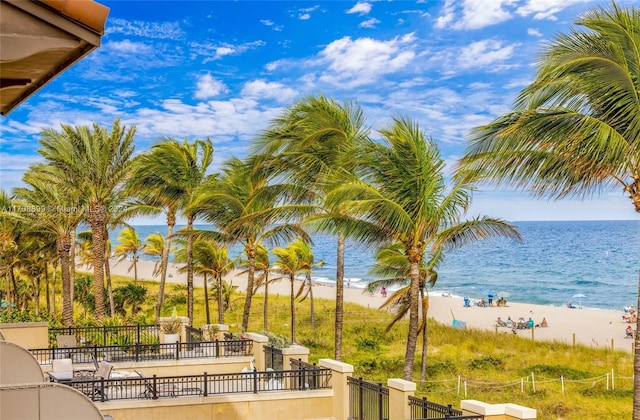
579, 296
504, 294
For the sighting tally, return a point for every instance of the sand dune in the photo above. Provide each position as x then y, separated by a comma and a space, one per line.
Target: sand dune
591, 327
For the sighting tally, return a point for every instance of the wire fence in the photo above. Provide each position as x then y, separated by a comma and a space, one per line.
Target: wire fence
531, 383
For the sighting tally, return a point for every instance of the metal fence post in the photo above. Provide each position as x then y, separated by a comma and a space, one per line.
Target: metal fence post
205, 391
380, 401
255, 380
155, 387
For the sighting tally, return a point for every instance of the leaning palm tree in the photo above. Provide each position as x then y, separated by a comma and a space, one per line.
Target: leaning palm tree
96, 162
314, 138
307, 261
575, 130
154, 247
402, 197
244, 207
130, 245
262, 270
392, 266
176, 170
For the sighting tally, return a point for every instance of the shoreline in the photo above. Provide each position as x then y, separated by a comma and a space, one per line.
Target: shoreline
592, 327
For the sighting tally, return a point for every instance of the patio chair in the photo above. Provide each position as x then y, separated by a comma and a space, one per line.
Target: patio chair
103, 372
66, 341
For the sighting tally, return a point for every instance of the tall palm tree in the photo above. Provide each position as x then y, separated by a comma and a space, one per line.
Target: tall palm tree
392, 266
262, 269
175, 171
403, 197
289, 264
130, 245
313, 139
575, 130
245, 208
57, 214
209, 258
96, 162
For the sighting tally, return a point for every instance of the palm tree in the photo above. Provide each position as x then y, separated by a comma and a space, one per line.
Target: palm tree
402, 197
173, 172
130, 244
57, 214
95, 162
288, 263
312, 140
262, 270
154, 247
393, 266
245, 208
307, 261
574, 131
212, 259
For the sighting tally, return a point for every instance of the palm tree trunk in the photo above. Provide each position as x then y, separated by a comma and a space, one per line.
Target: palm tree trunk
636, 364
96, 219
47, 286
135, 268
293, 311
72, 268
53, 287
164, 262
220, 304
266, 301
412, 336
189, 251
107, 271
206, 299
313, 315
63, 248
251, 256
339, 298
425, 337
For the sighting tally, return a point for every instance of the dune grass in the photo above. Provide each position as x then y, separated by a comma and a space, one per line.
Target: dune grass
461, 364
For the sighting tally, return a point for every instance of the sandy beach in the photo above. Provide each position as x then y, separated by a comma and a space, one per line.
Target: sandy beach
591, 327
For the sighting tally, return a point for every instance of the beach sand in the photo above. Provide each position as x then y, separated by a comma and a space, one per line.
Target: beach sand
596, 328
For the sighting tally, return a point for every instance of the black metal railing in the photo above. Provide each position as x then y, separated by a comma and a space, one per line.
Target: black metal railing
144, 352
273, 358
308, 374
367, 400
204, 385
421, 409
108, 335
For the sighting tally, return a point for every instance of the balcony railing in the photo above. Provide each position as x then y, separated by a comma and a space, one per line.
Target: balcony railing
202, 385
145, 352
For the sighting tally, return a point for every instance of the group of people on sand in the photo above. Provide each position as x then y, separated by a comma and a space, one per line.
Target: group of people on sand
501, 302
630, 315
521, 324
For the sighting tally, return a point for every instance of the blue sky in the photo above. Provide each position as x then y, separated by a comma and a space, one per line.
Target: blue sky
222, 69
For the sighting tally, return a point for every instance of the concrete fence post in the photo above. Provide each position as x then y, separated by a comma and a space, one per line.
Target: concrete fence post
399, 393
259, 342
340, 373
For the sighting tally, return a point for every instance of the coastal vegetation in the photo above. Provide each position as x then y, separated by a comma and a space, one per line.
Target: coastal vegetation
318, 168
574, 384
575, 130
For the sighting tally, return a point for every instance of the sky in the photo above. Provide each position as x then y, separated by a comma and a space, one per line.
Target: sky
225, 69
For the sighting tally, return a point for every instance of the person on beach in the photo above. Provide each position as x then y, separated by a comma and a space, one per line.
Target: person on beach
530, 323
629, 332
384, 292
543, 323
500, 322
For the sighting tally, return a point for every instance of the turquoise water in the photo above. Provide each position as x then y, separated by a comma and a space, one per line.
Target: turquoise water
554, 262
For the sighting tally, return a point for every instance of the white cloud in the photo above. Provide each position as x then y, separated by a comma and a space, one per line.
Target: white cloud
546, 9
363, 60
260, 89
128, 47
369, 23
156, 30
208, 87
485, 53
305, 16
534, 32
362, 8
473, 14
216, 51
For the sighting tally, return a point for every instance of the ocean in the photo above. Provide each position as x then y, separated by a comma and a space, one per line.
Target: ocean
595, 264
